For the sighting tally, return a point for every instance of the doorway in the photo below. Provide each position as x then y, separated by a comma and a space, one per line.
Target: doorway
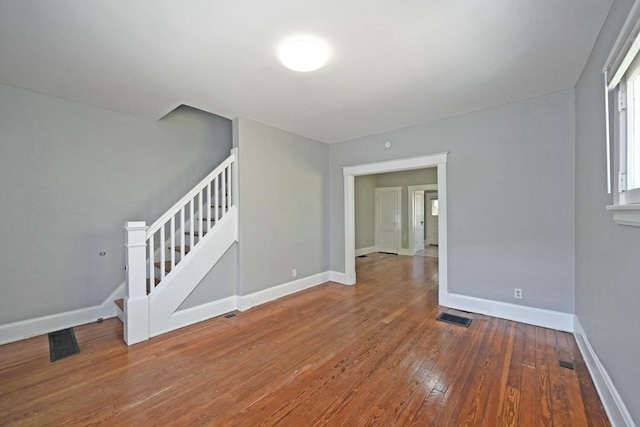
387, 219
415, 235
350, 172
432, 213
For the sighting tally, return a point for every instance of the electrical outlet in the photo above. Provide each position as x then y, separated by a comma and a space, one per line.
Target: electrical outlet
294, 272
517, 293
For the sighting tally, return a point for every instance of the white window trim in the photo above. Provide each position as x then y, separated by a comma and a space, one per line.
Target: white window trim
625, 214
626, 203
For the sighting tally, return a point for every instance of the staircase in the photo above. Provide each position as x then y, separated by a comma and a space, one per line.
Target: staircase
167, 260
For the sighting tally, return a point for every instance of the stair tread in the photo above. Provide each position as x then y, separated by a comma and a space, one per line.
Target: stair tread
120, 303
186, 249
167, 266
195, 233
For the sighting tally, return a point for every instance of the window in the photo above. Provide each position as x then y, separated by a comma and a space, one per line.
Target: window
622, 83
629, 163
434, 207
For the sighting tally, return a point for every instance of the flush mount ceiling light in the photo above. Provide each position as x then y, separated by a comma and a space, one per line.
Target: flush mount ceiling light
304, 54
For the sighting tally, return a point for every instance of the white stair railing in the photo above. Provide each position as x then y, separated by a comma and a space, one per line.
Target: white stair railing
177, 232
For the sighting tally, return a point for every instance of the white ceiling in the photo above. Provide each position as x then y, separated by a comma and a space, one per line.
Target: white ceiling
394, 63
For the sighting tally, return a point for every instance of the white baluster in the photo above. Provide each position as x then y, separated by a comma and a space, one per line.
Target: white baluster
200, 216
152, 268
162, 251
224, 191
228, 190
209, 207
216, 190
234, 180
191, 224
183, 252
172, 246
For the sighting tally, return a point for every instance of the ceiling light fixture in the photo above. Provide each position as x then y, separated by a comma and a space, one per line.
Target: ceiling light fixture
304, 54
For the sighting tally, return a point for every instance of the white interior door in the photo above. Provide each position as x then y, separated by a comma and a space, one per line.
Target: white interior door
432, 218
418, 220
387, 219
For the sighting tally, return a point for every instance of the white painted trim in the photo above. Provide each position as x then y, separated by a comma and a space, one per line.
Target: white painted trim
245, 302
626, 214
518, 313
338, 277
350, 172
197, 314
33, 327
165, 298
406, 252
190, 195
408, 163
411, 211
349, 230
365, 251
617, 411
24, 329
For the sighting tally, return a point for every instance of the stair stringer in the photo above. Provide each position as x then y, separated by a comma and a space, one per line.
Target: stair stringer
165, 299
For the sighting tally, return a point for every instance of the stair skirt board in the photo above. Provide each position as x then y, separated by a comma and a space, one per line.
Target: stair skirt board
200, 313
190, 316
185, 276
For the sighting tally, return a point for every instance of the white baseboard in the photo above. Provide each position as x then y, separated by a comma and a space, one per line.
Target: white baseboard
24, 329
406, 252
365, 251
245, 302
342, 278
617, 411
197, 314
519, 313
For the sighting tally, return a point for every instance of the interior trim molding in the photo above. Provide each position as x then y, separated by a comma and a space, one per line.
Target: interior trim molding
626, 214
438, 160
366, 251
411, 210
518, 313
29, 328
614, 406
341, 278
17, 331
245, 302
197, 314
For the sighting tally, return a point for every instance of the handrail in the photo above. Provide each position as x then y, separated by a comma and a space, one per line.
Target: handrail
190, 195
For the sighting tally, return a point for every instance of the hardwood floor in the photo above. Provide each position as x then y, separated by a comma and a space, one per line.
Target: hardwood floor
371, 354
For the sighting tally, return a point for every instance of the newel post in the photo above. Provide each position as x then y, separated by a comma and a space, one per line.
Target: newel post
136, 302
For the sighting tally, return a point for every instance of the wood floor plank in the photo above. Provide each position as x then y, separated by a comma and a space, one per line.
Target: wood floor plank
369, 354
496, 398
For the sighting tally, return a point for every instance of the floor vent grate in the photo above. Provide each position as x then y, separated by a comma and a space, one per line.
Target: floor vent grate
62, 344
455, 320
567, 365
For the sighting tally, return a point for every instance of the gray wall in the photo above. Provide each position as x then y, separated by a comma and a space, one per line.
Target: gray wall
70, 176
365, 201
364, 206
284, 211
510, 192
607, 255
220, 282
